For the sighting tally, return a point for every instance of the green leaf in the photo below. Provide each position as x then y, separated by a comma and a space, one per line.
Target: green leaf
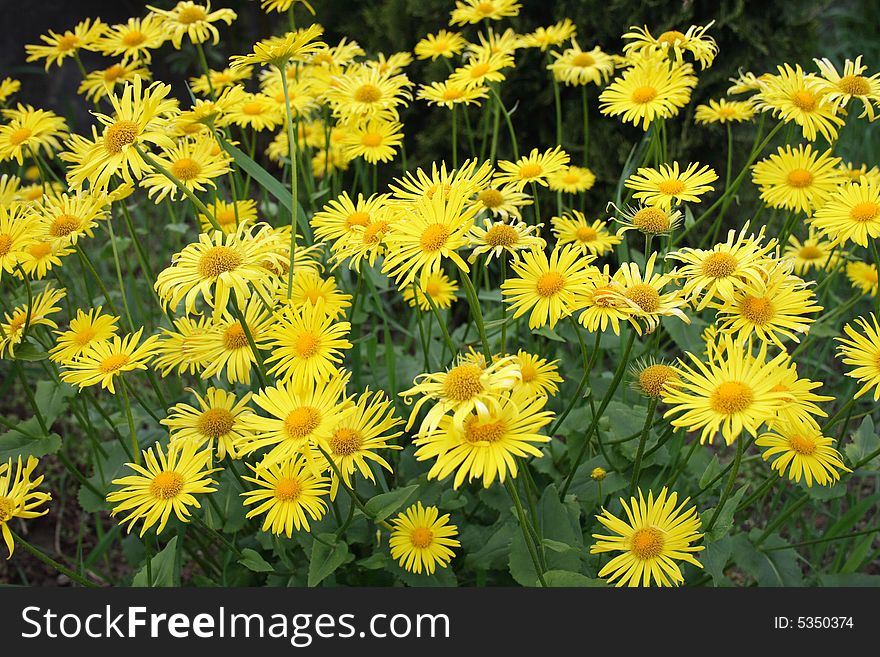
559, 523
268, 182
253, 561
550, 334
28, 351
859, 553
768, 568
27, 440
382, 506
724, 522
492, 551
163, 566
375, 561
557, 546
864, 442
712, 470
326, 558
567, 578
849, 579
714, 559
686, 336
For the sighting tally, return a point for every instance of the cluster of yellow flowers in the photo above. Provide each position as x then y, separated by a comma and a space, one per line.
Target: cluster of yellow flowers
263, 317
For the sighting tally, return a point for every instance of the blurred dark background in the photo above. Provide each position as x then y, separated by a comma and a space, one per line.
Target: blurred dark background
753, 36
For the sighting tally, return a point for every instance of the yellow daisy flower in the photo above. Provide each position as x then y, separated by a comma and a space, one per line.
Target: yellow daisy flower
255, 111
102, 362
422, 539
852, 213
309, 289
553, 35
481, 70
862, 351
651, 378
443, 44
590, 237
648, 219
298, 418
804, 452
648, 90
60, 46
532, 168
219, 418
364, 93
229, 215
734, 391
724, 111
220, 80
863, 276
356, 439
658, 533
474, 11
448, 94
486, 443
674, 43
307, 345
85, 329
717, 273
19, 497
194, 163
29, 315
813, 252
215, 267
576, 67
668, 185
644, 293
165, 483
16, 234
495, 238
800, 97
502, 201
547, 287
539, 376
470, 384
140, 118
30, 130
843, 89
435, 229
468, 178
439, 288
134, 39
603, 304
192, 20
224, 346
101, 83
374, 140
176, 348
289, 493
8, 87
774, 309
571, 180
797, 179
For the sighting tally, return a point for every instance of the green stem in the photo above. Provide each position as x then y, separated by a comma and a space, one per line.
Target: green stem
291, 142
351, 493
586, 113
130, 419
729, 487
637, 464
520, 512
474, 302
615, 382
49, 561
